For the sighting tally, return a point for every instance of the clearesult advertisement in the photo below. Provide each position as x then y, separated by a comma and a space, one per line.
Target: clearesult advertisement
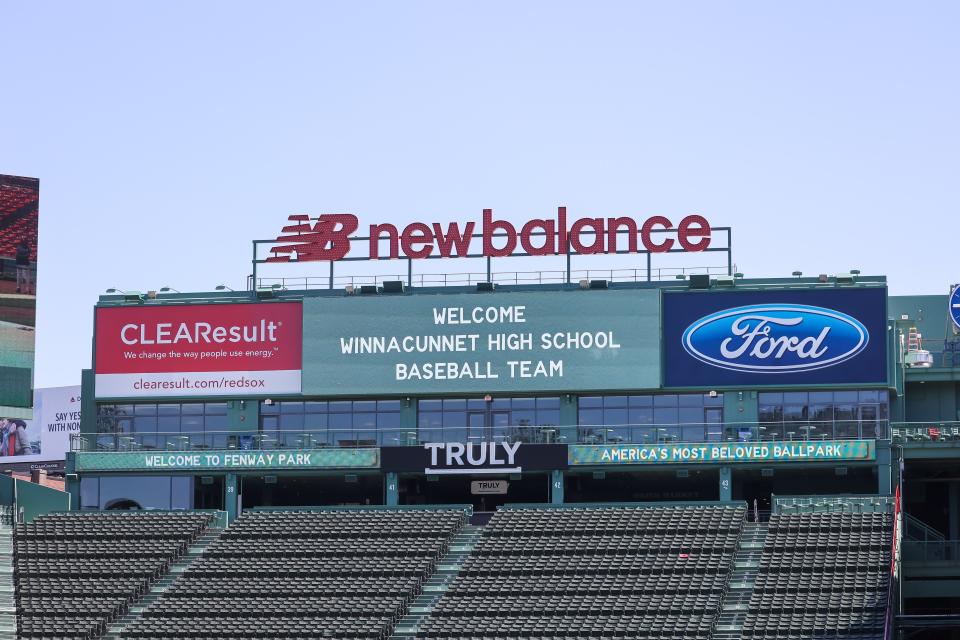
198, 350
46, 437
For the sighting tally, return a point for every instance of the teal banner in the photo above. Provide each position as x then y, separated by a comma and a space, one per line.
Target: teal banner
228, 460
516, 342
723, 452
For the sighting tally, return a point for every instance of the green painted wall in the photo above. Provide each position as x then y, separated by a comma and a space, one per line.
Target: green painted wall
88, 403
36, 499
929, 314
740, 406
932, 401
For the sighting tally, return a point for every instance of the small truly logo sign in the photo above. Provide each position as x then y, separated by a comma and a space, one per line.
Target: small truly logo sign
775, 338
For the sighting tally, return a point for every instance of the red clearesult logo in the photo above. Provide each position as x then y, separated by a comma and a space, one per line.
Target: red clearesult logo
327, 239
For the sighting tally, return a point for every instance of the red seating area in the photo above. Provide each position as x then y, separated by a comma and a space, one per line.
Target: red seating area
15, 225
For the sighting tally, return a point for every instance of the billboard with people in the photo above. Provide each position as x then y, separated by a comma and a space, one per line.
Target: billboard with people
45, 438
19, 214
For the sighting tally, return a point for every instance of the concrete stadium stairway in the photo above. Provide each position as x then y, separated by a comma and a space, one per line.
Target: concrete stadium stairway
160, 587
447, 569
8, 597
736, 602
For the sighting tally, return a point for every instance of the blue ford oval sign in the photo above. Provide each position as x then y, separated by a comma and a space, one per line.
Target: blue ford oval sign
775, 338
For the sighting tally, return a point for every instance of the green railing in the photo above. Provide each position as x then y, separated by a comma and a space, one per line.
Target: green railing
939, 551
783, 505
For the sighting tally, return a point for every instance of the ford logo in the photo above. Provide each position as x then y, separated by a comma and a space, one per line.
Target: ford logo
775, 338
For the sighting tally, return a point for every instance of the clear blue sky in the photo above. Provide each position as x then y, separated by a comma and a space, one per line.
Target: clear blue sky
167, 135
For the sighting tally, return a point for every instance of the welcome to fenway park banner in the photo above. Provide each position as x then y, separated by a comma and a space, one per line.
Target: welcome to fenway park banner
198, 350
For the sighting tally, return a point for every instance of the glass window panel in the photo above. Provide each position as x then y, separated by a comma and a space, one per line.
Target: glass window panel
690, 415
795, 397
500, 403
523, 403
821, 412
168, 409
291, 421
456, 404
845, 396
845, 412
314, 421
548, 417
388, 405
869, 396
388, 420
589, 402
430, 419
665, 415
693, 434
145, 409
770, 413
591, 416
640, 415
291, 407
548, 403
364, 405
341, 421
215, 408
794, 413
477, 403
269, 423
665, 400
429, 405
616, 402
315, 407
640, 401
145, 424
821, 397
613, 417
341, 406
215, 423
523, 418
168, 424
192, 408
454, 419
191, 424
690, 400
767, 397
365, 421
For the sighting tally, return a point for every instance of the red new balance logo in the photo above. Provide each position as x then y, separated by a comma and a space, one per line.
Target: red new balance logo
327, 239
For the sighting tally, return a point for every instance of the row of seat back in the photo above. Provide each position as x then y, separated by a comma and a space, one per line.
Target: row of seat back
824, 575
78, 572
305, 573
591, 572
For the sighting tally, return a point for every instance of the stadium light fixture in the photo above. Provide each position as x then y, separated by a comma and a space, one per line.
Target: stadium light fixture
222, 287
797, 273
168, 290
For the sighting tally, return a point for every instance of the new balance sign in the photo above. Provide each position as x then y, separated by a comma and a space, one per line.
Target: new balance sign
198, 350
328, 237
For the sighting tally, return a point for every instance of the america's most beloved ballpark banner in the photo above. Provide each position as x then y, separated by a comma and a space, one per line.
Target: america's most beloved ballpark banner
510, 342
293, 460
198, 350
723, 452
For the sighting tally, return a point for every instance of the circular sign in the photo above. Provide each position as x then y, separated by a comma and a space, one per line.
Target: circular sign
955, 305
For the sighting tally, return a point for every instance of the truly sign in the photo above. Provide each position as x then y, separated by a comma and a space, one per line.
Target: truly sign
328, 237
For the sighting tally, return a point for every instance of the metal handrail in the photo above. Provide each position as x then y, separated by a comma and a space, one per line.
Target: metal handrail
646, 434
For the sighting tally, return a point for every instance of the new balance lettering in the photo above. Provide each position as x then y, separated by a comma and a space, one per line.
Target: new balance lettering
328, 238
